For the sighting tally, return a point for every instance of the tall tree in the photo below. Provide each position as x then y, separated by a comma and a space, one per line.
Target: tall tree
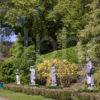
90, 35
22, 16
68, 14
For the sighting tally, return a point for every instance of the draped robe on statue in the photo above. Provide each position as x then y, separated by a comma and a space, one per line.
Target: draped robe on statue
32, 75
17, 77
89, 77
53, 76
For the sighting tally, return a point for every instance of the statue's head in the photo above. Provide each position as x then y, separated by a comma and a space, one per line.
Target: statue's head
87, 59
17, 69
53, 64
31, 66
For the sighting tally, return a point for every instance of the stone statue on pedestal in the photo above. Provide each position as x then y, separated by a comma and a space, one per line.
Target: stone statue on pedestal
32, 75
17, 77
53, 75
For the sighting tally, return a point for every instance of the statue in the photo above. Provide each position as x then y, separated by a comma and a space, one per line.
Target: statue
17, 77
89, 74
32, 75
53, 75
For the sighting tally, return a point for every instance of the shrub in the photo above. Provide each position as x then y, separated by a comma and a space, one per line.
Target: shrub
93, 50
28, 59
7, 70
97, 79
1, 77
64, 70
21, 58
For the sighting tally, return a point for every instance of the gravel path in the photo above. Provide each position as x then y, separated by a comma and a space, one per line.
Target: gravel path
3, 98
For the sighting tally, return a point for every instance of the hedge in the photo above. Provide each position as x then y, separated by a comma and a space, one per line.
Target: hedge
58, 94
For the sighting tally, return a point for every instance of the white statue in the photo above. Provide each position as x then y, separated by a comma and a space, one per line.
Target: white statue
17, 77
53, 75
32, 75
89, 77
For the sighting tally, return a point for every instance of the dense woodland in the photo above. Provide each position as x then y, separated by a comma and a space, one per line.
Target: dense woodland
43, 26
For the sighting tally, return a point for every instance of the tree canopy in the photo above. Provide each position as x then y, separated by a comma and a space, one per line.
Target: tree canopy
65, 21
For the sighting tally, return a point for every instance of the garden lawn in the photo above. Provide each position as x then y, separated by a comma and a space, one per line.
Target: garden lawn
19, 96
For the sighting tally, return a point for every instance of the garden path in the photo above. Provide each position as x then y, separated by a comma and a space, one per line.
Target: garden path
3, 98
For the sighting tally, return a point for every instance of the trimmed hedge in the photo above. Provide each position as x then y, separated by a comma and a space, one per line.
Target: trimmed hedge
58, 94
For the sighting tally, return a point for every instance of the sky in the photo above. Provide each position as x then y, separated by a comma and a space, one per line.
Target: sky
11, 38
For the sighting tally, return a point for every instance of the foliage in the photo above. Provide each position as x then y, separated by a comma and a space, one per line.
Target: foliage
81, 52
22, 58
69, 13
29, 56
22, 17
93, 50
4, 49
16, 53
97, 78
28, 59
1, 77
65, 21
19, 9
69, 54
60, 19
51, 18
7, 70
63, 69
92, 28
17, 49
91, 32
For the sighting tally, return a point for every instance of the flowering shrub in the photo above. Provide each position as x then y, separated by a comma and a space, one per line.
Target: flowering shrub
64, 70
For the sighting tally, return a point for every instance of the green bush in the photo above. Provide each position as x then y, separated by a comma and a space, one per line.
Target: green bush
97, 79
21, 58
69, 80
7, 70
1, 77
93, 50
28, 59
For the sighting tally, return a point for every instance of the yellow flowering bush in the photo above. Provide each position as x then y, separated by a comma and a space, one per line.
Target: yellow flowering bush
64, 69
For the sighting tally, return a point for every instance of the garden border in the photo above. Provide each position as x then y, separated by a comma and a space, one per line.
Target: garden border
58, 94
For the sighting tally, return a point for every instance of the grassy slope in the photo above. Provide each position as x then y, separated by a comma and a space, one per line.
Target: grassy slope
69, 53
19, 96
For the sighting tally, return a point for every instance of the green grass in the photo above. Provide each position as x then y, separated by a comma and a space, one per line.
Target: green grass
19, 96
69, 53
